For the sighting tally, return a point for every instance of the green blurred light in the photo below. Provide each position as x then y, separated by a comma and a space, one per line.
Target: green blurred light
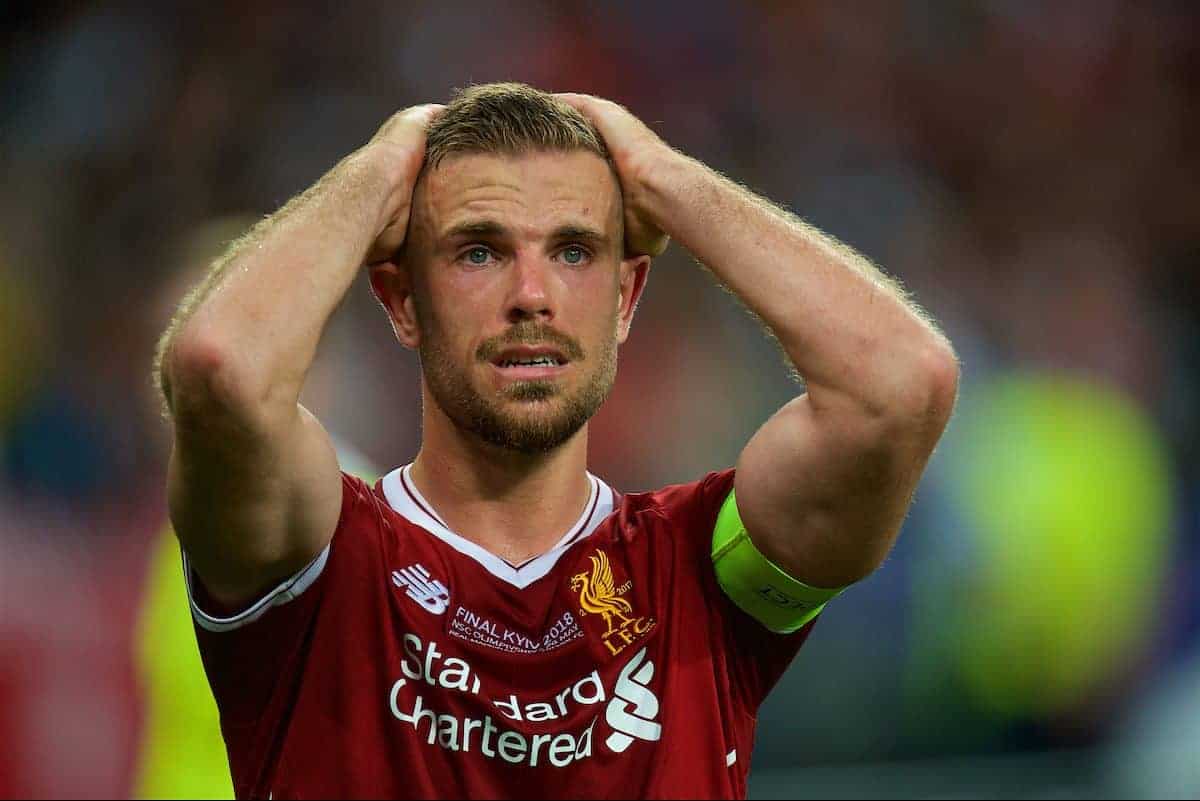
1066, 483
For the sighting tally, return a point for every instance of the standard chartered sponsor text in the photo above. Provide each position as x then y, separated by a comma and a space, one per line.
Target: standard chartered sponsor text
423, 663
489, 733
455, 734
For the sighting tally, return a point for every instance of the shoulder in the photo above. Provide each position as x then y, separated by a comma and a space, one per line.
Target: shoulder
376, 513
680, 513
690, 502
367, 525
361, 504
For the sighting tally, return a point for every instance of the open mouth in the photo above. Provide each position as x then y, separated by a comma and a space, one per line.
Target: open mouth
540, 361
529, 356
529, 362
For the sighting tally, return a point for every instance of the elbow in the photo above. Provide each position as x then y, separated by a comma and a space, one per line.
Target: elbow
918, 398
201, 378
931, 391
938, 375
911, 387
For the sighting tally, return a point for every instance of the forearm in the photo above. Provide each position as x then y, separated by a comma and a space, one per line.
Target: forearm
253, 327
848, 329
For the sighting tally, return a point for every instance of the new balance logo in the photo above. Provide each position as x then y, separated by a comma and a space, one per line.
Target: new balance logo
634, 707
430, 593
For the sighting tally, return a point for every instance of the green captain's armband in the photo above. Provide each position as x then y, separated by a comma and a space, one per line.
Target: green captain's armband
755, 584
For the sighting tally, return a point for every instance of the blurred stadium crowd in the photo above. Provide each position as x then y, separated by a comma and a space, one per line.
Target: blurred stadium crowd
1029, 170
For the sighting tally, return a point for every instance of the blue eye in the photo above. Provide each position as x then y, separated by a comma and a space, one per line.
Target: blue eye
574, 255
478, 256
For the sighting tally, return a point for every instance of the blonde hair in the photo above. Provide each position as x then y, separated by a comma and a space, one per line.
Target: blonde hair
509, 119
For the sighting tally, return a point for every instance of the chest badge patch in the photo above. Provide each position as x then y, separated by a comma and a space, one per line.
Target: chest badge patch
599, 595
423, 588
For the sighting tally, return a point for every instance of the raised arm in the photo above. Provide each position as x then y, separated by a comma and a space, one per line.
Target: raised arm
253, 483
824, 485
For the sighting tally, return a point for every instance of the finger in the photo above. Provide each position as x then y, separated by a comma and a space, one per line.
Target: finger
572, 98
586, 105
429, 111
418, 116
402, 125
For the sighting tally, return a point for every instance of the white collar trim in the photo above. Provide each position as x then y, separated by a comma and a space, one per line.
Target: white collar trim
404, 497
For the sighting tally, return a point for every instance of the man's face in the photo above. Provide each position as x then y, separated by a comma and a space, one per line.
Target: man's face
519, 294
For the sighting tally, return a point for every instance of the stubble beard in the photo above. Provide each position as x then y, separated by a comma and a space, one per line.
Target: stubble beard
545, 415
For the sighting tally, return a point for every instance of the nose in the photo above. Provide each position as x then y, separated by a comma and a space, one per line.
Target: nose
530, 290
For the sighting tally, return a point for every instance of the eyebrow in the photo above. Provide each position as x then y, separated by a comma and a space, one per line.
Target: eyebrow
479, 228
486, 229
579, 233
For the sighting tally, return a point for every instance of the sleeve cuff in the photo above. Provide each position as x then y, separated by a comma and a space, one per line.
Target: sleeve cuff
287, 591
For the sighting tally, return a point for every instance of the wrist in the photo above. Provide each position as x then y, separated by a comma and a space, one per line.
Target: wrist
657, 175
389, 173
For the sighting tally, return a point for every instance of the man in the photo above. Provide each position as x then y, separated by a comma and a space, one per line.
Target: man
492, 620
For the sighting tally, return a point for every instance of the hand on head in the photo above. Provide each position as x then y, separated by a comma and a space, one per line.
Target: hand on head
633, 147
401, 141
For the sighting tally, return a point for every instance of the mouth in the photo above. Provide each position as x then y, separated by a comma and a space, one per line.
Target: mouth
530, 362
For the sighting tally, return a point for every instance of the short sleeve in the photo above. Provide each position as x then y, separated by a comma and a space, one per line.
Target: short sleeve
251, 654
758, 656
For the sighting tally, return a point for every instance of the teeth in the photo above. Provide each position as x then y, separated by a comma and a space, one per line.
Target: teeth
541, 361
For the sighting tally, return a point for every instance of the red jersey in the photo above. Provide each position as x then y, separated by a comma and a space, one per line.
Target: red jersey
408, 662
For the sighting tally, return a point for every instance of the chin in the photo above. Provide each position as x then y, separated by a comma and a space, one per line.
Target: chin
548, 413
529, 433
535, 392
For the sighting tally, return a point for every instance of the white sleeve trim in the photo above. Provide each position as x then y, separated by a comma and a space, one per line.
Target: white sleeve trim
289, 590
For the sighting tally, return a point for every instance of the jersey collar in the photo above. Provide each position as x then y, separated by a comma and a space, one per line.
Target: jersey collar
406, 500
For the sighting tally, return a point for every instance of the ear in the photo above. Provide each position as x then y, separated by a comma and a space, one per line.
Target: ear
633, 274
392, 285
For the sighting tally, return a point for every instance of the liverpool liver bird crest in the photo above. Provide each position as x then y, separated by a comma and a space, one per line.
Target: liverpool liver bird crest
598, 594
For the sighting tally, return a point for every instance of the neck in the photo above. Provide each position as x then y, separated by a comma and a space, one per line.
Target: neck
515, 505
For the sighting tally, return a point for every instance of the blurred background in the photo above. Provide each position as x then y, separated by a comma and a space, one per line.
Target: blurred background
1029, 170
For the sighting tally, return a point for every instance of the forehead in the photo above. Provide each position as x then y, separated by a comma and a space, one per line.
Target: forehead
531, 193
